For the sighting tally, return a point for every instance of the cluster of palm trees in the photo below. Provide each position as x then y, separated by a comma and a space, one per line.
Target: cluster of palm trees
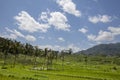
15, 48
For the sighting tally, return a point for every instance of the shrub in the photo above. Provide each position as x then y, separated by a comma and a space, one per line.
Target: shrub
114, 68
3, 67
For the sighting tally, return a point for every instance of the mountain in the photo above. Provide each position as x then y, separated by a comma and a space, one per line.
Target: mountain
104, 49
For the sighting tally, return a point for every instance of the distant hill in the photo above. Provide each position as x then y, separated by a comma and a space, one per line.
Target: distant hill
104, 49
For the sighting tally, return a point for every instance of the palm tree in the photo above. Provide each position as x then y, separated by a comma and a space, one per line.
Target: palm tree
70, 51
5, 48
46, 58
16, 47
5, 51
86, 59
25, 50
36, 53
62, 58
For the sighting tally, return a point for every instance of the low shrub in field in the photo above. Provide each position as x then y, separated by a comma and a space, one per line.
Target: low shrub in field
3, 67
29, 78
11, 76
114, 68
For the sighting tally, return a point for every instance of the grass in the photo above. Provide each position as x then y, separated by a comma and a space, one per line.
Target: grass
72, 70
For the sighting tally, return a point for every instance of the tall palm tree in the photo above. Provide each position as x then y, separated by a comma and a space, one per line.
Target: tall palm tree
70, 51
36, 53
62, 58
16, 51
5, 51
25, 50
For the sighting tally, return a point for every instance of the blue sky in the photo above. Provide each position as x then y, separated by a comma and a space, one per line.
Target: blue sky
61, 24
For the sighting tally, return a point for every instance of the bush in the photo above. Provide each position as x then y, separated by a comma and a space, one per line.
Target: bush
3, 67
11, 76
114, 68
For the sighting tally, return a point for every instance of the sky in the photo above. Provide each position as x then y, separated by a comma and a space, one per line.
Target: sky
61, 24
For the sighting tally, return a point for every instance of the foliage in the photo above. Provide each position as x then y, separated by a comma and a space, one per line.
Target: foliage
112, 49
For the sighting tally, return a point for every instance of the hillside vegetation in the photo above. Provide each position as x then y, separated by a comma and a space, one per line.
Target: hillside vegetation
112, 49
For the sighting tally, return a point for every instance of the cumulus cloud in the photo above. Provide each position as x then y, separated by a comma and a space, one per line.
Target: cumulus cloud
73, 47
14, 34
114, 30
61, 39
59, 48
53, 47
100, 18
28, 23
11, 36
91, 37
83, 30
43, 17
69, 6
102, 36
105, 35
46, 20
59, 21
30, 38
55, 19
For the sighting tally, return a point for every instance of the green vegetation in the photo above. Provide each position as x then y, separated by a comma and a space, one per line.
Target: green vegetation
26, 62
112, 49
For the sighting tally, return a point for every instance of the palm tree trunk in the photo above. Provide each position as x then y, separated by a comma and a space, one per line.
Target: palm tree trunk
14, 61
34, 65
25, 58
5, 57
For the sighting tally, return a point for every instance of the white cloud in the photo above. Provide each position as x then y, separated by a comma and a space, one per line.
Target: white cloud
30, 38
73, 47
59, 21
11, 36
105, 35
14, 34
91, 37
53, 47
44, 17
102, 36
100, 18
59, 48
28, 23
69, 7
55, 19
18, 33
61, 39
114, 30
83, 30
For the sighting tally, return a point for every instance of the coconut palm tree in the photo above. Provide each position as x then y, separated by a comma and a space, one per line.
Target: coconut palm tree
16, 51
5, 49
62, 55
70, 51
36, 53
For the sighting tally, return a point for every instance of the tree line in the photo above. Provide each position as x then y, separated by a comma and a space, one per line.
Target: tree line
13, 47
